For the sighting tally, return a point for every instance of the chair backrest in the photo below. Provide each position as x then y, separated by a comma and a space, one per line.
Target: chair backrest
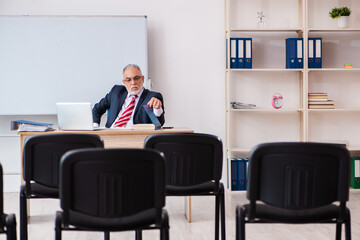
42, 153
191, 158
298, 175
112, 183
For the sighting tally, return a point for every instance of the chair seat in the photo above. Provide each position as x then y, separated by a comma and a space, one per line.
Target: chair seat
44, 191
200, 189
274, 214
142, 219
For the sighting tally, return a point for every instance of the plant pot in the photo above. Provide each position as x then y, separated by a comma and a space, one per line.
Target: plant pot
343, 21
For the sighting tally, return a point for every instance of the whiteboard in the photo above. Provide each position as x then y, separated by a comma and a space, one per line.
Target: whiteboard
49, 59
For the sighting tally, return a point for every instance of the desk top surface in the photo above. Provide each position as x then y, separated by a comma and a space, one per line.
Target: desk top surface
112, 131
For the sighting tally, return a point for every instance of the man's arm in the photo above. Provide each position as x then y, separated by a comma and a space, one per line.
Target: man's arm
100, 108
157, 103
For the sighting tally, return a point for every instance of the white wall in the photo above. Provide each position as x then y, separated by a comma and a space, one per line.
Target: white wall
186, 61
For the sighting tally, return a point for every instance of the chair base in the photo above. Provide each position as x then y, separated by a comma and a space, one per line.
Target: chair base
241, 220
163, 227
24, 214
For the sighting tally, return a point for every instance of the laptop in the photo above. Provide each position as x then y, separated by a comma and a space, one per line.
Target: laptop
152, 117
75, 116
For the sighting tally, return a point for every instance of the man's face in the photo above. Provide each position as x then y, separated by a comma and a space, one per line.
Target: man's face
133, 80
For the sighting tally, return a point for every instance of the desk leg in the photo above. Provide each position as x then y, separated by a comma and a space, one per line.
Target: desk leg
28, 209
188, 208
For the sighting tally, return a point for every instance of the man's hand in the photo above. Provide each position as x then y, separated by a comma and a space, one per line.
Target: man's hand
154, 103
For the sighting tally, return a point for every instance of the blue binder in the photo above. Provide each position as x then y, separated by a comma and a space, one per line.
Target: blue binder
315, 53
233, 53
242, 174
227, 53
311, 53
248, 52
234, 174
318, 52
241, 52
294, 53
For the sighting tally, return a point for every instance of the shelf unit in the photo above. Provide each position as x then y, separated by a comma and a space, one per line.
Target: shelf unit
294, 122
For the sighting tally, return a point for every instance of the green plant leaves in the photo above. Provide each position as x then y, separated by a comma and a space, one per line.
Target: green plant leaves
338, 12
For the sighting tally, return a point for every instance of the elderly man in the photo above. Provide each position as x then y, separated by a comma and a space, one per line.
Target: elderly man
125, 102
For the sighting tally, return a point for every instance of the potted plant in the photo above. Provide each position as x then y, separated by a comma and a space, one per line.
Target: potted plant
341, 14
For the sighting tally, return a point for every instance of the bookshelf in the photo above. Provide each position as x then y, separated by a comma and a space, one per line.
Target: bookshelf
295, 121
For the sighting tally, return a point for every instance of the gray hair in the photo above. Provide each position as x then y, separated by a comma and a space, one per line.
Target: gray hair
131, 66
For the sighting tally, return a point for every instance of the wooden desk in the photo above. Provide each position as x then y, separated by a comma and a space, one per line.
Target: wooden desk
117, 138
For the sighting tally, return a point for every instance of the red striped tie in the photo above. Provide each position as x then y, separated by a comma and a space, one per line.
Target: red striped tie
126, 115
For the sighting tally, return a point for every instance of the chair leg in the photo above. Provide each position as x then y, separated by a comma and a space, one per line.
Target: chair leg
138, 234
338, 231
23, 214
164, 232
58, 225
240, 223
106, 235
223, 229
347, 224
217, 209
11, 227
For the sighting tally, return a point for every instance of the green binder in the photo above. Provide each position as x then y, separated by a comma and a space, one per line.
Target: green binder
355, 172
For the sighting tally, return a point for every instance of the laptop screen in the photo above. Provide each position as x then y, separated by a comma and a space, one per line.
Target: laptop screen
74, 116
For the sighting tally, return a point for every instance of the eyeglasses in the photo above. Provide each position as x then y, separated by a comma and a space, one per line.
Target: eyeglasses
136, 78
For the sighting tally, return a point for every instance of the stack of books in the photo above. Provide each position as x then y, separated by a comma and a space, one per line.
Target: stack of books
320, 101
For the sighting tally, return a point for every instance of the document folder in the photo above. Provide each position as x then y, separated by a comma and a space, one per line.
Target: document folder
355, 173
152, 117
234, 174
318, 52
240, 53
242, 163
315, 53
311, 56
233, 53
299, 53
294, 53
248, 52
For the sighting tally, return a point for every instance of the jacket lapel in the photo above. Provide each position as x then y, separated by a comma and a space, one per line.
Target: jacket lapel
121, 101
141, 100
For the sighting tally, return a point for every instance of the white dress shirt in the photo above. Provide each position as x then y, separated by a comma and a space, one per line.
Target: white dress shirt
130, 123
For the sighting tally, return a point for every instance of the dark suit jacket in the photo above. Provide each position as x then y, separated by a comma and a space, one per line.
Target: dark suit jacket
116, 98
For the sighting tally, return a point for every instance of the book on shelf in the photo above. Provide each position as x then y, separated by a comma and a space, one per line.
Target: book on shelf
30, 126
319, 106
326, 102
144, 126
317, 94
317, 99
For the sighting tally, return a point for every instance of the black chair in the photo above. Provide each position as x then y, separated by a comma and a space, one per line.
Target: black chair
297, 183
7, 221
193, 167
41, 159
112, 190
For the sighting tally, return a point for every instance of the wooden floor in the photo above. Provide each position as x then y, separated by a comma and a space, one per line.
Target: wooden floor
41, 225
